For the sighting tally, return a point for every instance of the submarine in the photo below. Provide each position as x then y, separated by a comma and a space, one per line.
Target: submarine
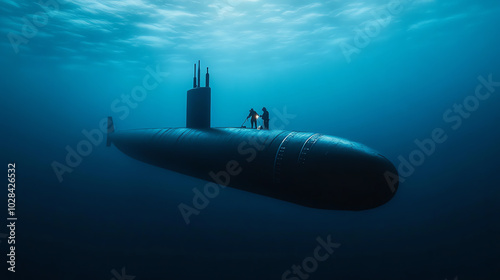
305, 168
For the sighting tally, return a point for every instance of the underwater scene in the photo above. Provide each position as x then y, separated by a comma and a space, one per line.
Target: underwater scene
250, 139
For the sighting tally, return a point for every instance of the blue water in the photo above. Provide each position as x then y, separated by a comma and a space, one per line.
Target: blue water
382, 73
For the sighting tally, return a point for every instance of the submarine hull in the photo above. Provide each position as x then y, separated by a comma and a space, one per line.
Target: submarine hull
308, 169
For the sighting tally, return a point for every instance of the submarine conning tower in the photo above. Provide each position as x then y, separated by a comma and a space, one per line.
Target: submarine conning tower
199, 102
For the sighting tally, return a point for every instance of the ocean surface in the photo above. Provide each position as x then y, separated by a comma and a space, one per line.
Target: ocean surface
389, 74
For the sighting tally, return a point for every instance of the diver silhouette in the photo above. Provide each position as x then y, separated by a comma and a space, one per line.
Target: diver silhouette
265, 117
253, 117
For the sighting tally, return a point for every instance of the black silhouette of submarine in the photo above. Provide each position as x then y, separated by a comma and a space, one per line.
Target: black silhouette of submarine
309, 169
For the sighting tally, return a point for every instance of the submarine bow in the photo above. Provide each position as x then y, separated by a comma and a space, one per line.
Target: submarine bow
309, 169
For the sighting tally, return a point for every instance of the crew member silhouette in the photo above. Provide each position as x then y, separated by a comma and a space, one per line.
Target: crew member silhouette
265, 117
253, 117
